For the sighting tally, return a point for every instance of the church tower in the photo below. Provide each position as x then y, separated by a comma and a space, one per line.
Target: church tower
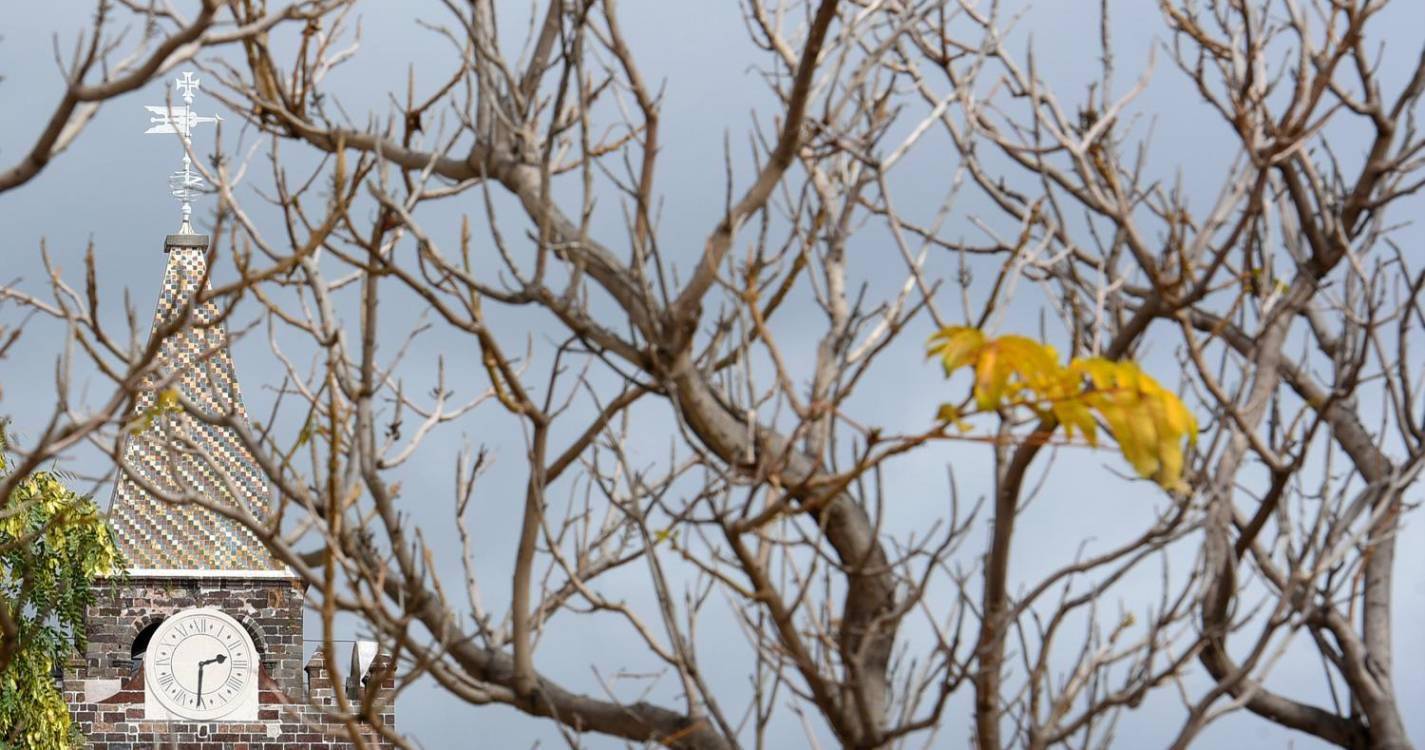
200, 644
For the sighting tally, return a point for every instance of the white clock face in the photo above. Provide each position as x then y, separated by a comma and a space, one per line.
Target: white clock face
200, 665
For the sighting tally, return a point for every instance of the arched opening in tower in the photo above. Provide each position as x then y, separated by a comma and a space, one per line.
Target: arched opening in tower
140, 645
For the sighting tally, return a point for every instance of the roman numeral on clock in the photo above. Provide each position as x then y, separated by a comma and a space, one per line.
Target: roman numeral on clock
165, 679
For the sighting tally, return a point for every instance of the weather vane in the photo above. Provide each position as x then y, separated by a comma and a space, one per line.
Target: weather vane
184, 183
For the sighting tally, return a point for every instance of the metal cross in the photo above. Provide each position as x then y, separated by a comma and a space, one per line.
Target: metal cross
181, 119
187, 85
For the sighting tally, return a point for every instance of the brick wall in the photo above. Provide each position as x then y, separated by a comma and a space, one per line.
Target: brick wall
284, 722
270, 608
295, 702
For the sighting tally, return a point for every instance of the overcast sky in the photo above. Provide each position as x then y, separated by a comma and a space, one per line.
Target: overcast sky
110, 189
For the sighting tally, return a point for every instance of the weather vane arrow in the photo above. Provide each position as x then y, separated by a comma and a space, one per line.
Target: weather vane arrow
176, 120
185, 183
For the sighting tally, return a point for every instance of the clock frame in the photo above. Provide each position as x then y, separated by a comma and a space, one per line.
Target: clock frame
201, 665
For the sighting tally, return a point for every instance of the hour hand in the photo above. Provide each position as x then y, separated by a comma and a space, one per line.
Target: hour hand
219, 659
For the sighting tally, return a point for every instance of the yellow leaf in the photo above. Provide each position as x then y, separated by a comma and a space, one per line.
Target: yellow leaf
1073, 414
1148, 422
957, 346
990, 379
948, 413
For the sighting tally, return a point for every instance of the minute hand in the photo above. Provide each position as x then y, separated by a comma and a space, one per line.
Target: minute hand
219, 659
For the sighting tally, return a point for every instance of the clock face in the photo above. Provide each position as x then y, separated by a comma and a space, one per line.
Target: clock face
201, 665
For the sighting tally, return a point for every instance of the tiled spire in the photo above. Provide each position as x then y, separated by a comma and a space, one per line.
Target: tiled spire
183, 454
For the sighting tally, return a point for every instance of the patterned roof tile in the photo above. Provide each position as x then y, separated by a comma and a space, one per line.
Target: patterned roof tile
182, 454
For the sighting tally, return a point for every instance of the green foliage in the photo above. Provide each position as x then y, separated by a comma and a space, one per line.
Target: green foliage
1149, 423
53, 544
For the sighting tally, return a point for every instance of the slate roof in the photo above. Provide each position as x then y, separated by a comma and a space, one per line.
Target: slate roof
187, 454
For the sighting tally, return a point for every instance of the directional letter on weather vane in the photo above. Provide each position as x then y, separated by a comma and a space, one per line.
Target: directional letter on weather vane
181, 120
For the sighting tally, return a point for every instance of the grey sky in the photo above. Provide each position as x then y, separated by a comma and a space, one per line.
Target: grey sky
110, 188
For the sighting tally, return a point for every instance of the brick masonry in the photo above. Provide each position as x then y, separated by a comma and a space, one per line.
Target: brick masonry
105, 691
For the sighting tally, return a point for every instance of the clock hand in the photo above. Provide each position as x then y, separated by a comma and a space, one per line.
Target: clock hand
219, 659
